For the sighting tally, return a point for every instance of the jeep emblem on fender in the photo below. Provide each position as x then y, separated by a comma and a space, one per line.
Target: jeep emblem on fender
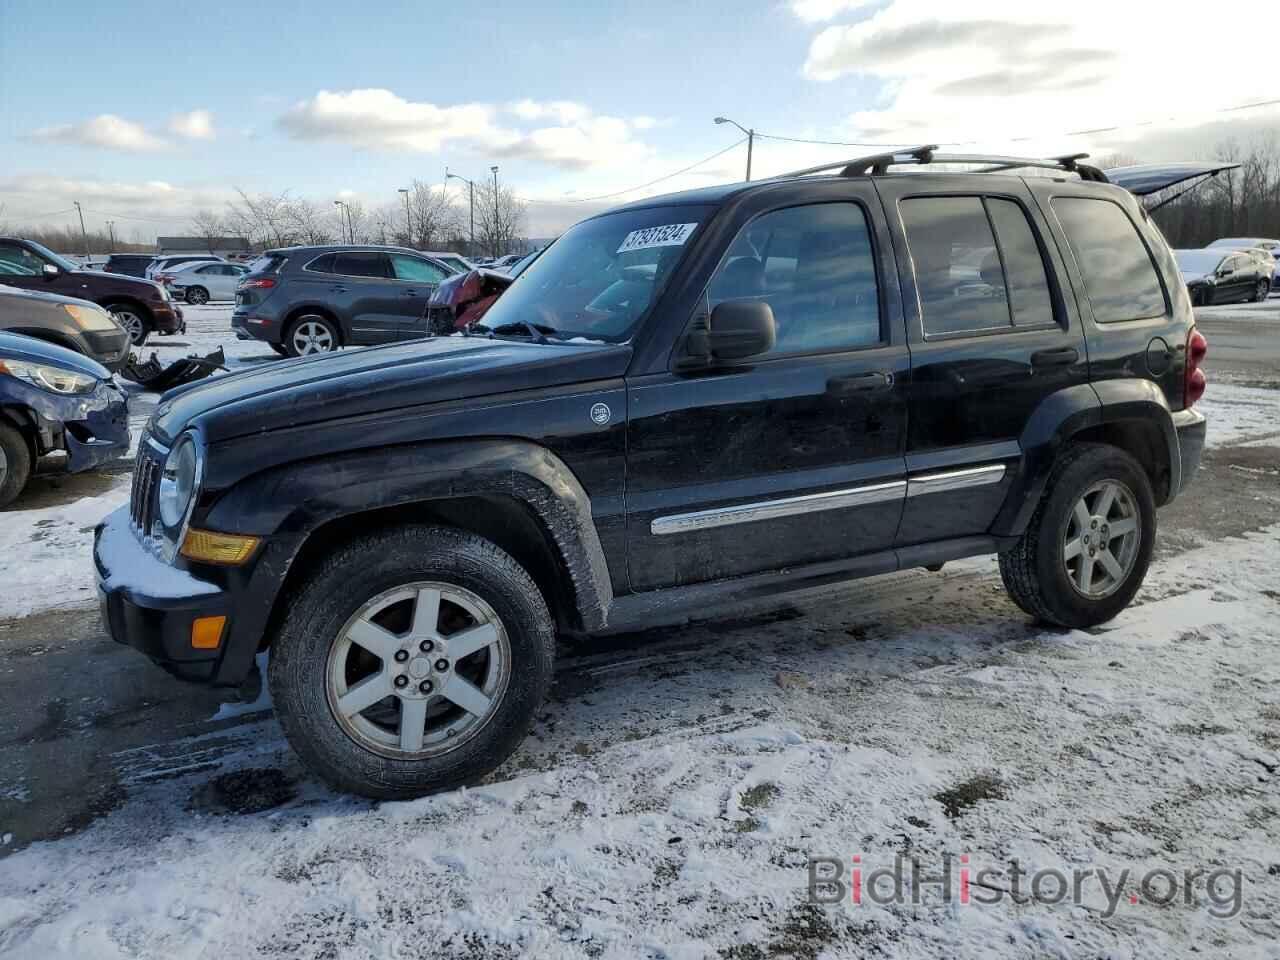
601, 413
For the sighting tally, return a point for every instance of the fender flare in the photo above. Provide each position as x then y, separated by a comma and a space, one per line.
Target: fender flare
293, 500
1061, 417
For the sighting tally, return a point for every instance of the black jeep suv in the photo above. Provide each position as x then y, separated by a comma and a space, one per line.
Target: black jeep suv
687, 401
308, 300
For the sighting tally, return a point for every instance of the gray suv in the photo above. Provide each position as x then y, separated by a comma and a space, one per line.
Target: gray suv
308, 300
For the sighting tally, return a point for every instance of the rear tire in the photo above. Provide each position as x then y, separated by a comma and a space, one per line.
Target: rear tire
15, 464
1071, 568
1260, 292
133, 320
197, 296
312, 334
370, 595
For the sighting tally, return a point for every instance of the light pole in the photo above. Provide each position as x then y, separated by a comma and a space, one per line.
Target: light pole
751, 139
351, 233
472, 189
497, 224
83, 233
408, 220
111, 230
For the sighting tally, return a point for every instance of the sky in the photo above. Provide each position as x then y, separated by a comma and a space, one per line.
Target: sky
147, 111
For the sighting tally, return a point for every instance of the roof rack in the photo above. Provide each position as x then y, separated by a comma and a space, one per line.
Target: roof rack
878, 164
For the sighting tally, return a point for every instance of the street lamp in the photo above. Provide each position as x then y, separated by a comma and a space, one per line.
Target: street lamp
407, 219
497, 226
751, 138
351, 231
472, 189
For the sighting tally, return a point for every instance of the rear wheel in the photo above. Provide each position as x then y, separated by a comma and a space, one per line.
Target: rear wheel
15, 464
197, 296
311, 334
412, 661
1261, 291
131, 318
1087, 548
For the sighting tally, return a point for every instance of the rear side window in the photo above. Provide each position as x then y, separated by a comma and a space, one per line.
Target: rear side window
321, 264
1029, 298
361, 265
957, 265
1119, 274
815, 267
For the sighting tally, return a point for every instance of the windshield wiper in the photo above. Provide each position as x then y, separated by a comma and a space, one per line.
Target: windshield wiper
537, 332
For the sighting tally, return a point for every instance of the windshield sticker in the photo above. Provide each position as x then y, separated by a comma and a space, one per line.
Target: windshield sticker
671, 235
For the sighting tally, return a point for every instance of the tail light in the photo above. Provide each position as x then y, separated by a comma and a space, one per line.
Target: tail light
259, 283
163, 278
1193, 386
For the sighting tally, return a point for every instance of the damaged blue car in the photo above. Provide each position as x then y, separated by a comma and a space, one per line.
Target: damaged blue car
54, 399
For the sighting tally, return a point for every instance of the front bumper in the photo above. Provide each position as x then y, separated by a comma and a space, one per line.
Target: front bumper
91, 428
1191, 427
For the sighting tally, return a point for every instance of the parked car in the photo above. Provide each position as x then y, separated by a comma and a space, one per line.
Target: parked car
52, 399
128, 264
201, 282
463, 299
167, 264
686, 401
307, 300
456, 262
78, 325
140, 306
1266, 264
1243, 243
1216, 276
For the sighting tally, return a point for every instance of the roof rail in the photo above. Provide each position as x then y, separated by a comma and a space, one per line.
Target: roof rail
878, 164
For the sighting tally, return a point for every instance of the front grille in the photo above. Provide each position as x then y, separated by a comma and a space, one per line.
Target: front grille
146, 481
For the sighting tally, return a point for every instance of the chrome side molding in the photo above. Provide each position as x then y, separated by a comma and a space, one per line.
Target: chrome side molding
773, 509
955, 480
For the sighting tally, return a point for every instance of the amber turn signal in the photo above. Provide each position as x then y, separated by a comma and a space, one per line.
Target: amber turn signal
206, 546
206, 632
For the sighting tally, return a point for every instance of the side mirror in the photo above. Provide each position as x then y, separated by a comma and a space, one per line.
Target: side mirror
49, 271
741, 328
1225, 272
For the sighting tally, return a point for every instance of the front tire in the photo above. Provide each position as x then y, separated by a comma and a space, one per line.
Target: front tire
1087, 548
197, 296
132, 319
1260, 292
15, 464
312, 334
412, 661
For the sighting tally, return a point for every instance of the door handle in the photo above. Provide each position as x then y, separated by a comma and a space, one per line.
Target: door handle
1056, 357
338, 288
409, 293
861, 383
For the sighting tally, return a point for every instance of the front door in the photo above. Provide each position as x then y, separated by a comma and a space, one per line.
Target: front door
991, 335
415, 280
792, 457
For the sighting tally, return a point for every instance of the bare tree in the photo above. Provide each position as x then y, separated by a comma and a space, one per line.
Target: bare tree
209, 227
308, 222
262, 218
500, 218
435, 216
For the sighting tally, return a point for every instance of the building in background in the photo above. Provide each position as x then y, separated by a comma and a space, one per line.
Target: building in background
229, 248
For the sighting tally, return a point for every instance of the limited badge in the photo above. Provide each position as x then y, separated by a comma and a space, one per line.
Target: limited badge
601, 414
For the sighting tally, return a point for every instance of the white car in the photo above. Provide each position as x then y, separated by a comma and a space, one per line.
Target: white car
202, 282
456, 262
169, 263
1244, 243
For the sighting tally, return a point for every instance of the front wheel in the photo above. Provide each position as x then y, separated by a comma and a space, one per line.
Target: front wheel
312, 334
412, 661
197, 296
1260, 292
1087, 548
15, 464
133, 322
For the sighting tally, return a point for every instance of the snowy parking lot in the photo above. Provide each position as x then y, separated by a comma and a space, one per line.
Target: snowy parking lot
682, 784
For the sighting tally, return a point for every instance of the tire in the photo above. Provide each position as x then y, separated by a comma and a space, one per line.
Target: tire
197, 296
1037, 573
1260, 291
313, 654
312, 334
133, 320
280, 348
15, 464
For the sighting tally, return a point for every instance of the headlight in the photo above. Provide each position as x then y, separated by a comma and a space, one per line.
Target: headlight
178, 482
90, 317
55, 379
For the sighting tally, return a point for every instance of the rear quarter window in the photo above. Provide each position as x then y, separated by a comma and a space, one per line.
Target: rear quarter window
1120, 277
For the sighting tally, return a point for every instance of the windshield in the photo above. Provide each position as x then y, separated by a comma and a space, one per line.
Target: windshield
52, 257
1198, 262
600, 278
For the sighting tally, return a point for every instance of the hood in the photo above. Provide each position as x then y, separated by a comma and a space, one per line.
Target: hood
105, 283
12, 296
15, 346
293, 393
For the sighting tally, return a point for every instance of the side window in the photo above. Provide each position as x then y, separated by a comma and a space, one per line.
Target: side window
1029, 298
957, 265
815, 267
321, 264
1119, 274
412, 268
361, 265
22, 261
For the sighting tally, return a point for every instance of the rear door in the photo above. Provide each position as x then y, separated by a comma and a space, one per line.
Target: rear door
415, 280
793, 457
362, 281
991, 335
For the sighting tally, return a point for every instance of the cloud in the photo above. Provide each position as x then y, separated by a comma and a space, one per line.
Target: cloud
559, 133
816, 11
107, 131
193, 125
989, 72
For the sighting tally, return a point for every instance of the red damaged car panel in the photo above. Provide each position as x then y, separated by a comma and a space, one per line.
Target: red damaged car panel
463, 299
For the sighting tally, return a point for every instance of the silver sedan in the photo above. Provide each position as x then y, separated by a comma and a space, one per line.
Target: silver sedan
202, 282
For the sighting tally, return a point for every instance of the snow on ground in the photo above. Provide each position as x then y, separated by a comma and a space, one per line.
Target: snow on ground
1240, 413
666, 806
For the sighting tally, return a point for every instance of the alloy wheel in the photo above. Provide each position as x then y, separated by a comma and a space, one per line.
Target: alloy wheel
1103, 535
418, 670
132, 323
197, 296
312, 337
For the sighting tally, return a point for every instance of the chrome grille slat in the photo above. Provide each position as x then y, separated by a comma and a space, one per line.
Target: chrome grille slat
146, 477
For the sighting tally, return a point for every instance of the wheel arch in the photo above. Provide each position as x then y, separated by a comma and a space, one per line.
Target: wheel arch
297, 313
125, 300
1130, 414
23, 420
